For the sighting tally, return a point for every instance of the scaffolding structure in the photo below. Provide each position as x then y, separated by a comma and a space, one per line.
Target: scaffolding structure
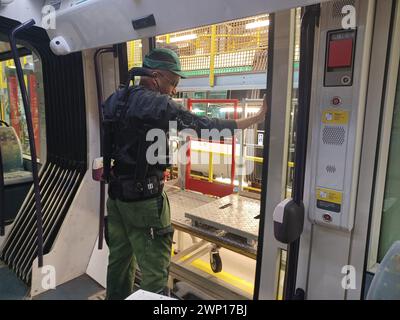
231, 47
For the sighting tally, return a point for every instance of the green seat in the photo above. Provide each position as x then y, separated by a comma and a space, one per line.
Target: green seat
386, 282
14, 171
17, 179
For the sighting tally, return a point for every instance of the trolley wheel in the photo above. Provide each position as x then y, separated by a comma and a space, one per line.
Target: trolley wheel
215, 261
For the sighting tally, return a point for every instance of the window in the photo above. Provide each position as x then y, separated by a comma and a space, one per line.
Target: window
11, 105
390, 224
385, 223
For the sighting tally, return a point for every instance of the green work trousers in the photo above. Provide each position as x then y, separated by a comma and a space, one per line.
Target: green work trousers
139, 233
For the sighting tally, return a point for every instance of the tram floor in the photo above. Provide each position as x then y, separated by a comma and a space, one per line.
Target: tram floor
81, 288
11, 287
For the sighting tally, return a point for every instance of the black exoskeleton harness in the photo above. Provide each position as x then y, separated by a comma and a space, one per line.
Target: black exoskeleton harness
126, 136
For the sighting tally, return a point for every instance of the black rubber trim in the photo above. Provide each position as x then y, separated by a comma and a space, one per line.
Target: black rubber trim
267, 136
309, 21
66, 164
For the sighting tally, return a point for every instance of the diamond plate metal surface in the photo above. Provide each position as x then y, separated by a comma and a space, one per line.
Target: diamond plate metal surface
182, 201
234, 214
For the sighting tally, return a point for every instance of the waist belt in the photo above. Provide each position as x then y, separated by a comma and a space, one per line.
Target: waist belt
126, 188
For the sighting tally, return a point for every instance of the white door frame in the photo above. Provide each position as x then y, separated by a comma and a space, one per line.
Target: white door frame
283, 56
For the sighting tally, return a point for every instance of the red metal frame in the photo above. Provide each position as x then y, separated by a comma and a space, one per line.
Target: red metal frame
206, 187
15, 115
32, 85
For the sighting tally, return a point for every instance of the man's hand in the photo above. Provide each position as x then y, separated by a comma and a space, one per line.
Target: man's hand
257, 118
263, 111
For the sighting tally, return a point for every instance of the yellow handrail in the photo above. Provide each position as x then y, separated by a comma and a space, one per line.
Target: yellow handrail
255, 159
200, 177
210, 167
211, 172
207, 179
212, 54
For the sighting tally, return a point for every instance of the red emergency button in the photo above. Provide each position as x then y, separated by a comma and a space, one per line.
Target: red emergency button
327, 217
336, 101
340, 53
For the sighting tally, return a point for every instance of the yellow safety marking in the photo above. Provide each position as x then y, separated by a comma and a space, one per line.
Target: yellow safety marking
184, 258
329, 195
281, 284
225, 276
252, 189
335, 116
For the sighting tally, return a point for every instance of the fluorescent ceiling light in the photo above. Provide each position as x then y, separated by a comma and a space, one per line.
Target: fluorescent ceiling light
183, 38
257, 24
228, 181
197, 110
231, 109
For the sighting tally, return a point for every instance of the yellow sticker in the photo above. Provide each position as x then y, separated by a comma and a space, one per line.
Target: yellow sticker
335, 116
329, 195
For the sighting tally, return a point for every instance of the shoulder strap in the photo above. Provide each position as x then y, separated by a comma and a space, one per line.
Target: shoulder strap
122, 106
111, 124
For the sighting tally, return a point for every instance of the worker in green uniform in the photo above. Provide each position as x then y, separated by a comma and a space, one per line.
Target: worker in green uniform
139, 218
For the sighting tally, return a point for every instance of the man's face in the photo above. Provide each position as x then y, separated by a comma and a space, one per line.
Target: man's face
166, 81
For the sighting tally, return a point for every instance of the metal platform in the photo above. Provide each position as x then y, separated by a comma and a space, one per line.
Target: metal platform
182, 201
219, 223
233, 214
236, 230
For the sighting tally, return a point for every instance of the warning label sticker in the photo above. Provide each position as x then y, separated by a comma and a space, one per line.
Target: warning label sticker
335, 116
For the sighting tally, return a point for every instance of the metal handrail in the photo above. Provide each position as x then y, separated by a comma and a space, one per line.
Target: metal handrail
31, 135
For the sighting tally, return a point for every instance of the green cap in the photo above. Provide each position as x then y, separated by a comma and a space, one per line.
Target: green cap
163, 59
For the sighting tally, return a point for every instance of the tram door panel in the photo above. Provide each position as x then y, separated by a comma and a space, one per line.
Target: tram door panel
13, 128
341, 76
384, 191
339, 87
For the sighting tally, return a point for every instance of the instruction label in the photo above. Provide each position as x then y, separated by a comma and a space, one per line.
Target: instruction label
335, 116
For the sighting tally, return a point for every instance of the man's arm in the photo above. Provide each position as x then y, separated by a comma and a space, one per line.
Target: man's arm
187, 119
